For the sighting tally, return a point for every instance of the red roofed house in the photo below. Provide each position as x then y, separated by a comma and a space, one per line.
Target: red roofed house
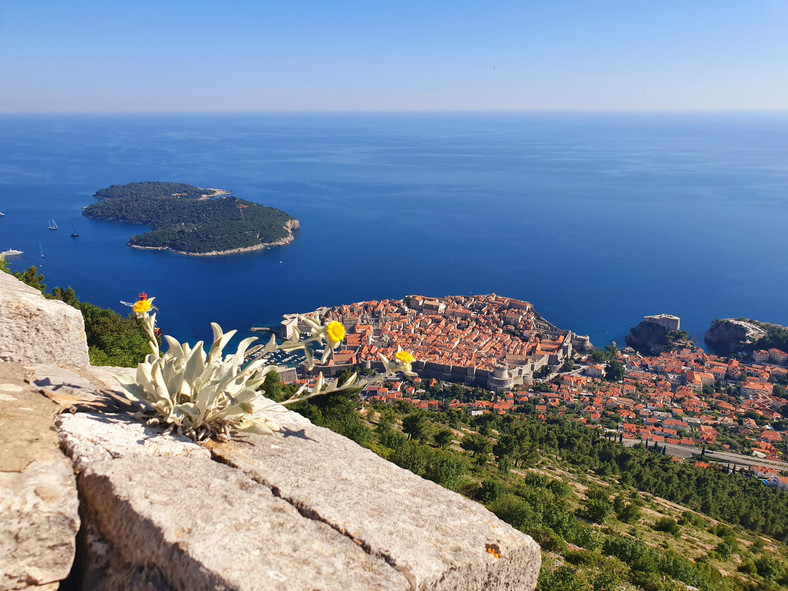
777, 356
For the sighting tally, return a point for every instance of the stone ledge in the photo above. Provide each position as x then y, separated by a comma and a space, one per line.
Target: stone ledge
437, 538
197, 524
88, 438
38, 495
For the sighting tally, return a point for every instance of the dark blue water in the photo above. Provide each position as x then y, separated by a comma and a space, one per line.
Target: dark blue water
596, 219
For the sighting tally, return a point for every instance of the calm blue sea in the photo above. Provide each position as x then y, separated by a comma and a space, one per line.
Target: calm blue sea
597, 219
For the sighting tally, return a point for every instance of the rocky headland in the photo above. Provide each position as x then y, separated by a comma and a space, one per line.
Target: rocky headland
734, 334
652, 337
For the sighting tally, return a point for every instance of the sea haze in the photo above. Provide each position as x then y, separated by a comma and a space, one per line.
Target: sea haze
597, 219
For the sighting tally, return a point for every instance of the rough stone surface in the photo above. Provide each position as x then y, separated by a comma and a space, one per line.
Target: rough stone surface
63, 386
99, 432
34, 329
436, 538
38, 496
192, 523
106, 377
730, 334
93, 437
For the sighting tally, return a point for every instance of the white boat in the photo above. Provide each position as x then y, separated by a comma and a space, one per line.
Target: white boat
52, 224
2, 214
10, 253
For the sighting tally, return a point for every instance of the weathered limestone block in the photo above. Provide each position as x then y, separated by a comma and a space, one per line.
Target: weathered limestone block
34, 329
102, 434
193, 523
38, 495
106, 377
64, 386
93, 437
436, 538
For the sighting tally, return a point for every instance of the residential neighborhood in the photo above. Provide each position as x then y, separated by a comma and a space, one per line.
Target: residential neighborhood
680, 400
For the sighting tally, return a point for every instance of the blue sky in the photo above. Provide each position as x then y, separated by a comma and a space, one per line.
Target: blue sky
398, 55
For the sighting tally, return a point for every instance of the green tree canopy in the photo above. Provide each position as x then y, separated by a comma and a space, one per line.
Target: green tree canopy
614, 371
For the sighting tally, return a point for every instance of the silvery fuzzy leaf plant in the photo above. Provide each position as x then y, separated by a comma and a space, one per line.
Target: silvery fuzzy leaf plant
206, 395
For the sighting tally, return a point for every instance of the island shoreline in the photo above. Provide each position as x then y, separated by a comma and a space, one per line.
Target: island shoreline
211, 225
290, 225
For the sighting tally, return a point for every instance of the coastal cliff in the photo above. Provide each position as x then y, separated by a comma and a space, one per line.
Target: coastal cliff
303, 509
652, 338
729, 334
733, 335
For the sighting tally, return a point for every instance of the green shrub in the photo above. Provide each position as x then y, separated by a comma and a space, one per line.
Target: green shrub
667, 525
562, 579
596, 510
547, 539
489, 491
516, 512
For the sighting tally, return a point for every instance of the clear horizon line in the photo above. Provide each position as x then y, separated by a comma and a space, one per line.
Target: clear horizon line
403, 112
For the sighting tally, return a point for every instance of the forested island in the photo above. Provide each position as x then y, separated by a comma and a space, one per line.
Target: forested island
190, 220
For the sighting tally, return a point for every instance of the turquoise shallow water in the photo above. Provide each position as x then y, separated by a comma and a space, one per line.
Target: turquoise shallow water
596, 219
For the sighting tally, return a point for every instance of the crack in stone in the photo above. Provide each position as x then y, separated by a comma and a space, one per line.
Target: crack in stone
313, 515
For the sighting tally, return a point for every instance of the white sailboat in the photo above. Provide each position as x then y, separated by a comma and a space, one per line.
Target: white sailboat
41, 248
52, 224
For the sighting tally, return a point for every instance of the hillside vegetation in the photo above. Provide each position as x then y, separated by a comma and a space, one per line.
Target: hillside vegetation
151, 189
606, 516
776, 336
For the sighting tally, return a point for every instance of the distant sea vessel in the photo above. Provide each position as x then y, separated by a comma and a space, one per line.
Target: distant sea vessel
52, 224
74, 234
41, 248
10, 253
2, 214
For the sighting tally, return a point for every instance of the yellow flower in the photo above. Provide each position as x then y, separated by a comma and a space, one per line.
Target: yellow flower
141, 306
335, 332
404, 357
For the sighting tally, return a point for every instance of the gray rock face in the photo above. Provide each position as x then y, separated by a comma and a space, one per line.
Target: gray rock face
191, 523
89, 438
436, 538
36, 330
647, 337
730, 334
38, 496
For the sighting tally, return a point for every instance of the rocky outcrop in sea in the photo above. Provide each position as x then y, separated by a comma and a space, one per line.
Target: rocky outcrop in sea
730, 334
